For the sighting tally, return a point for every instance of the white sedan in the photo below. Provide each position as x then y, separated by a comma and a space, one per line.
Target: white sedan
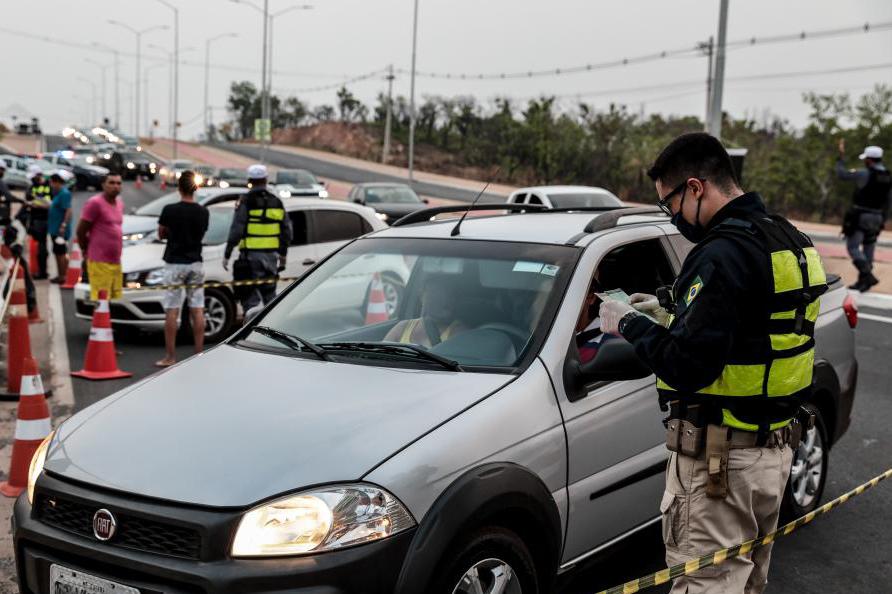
565, 197
319, 228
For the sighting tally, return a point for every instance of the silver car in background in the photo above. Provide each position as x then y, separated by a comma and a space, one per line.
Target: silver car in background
451, 444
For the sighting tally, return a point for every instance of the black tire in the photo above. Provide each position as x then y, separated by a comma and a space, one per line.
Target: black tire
216, 302
794, 507
491, 543
81, 183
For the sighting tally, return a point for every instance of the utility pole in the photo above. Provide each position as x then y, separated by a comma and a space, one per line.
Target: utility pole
385, 154
707, 48
718, 80
412, 96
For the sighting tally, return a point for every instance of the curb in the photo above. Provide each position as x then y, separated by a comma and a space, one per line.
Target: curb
60, 366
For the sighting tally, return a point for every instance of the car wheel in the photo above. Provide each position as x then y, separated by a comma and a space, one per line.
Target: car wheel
809, 472
491, 561
393, 288
81, 183
219, 315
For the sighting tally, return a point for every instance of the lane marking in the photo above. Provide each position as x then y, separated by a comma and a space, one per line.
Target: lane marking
874, 318
875, 300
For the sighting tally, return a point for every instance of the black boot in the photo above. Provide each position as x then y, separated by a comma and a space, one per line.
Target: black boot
869, 281
858, 285
863, 270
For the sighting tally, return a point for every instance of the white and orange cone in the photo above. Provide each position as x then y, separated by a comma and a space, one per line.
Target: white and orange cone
73, 275
18, 336
376, 306
138, 183
101, 360
31, 428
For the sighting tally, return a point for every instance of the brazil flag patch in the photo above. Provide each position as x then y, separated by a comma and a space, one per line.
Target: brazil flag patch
693, 290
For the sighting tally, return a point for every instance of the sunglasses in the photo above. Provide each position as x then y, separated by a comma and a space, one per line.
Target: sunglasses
663, 202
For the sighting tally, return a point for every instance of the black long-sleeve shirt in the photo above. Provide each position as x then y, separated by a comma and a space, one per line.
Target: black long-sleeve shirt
721, 289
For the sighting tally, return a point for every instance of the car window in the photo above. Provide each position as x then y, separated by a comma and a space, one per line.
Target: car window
391, 194
681, 246
219, 222
583, 199
534, 199
297, 178
336, 225
298, 227
221, 199
518, 198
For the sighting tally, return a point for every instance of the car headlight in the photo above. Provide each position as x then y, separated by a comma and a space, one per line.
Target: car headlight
320, 520
198, 179
106, 156
37, 462
381, 216
178, 174
152, 166
284, 194
323, 193
224, 184
91, 159
133, 237
130, 165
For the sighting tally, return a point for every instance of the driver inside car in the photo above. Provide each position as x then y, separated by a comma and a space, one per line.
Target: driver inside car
438, 320
588, 328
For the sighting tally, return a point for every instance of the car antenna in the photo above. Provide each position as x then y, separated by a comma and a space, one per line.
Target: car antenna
457, 228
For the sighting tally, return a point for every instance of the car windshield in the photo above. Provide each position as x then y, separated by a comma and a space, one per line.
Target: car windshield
153, 208
477, 305
584, 199
234, 174
181, 164
82, 161
391, 194
296, 178
219, 221
204, 170
133, 156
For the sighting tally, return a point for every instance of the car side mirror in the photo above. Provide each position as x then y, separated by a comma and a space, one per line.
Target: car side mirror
359, 201
616, 361
425, 200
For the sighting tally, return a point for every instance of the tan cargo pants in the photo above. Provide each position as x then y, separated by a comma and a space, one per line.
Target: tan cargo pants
696, 525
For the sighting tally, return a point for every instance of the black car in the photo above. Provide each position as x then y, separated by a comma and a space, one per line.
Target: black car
87, 175
129, 164
390, 201
232, 177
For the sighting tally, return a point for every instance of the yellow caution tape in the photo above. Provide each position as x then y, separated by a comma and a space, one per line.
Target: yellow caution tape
722, 555
212, 284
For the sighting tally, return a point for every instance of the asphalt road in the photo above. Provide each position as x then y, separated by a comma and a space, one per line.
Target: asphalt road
845, 551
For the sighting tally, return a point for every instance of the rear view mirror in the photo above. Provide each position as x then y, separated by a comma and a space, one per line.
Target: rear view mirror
616, 361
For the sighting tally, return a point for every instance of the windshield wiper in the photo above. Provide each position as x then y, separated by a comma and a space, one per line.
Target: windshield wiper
295, 342
396, 348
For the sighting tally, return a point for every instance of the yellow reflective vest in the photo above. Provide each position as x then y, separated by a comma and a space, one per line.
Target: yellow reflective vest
264, 227
770, 368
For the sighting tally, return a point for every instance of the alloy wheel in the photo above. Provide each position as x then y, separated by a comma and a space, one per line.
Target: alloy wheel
489, 576
808, 468
214, 315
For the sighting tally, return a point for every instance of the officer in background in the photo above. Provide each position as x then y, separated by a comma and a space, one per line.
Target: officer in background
870, 205
262, 231
733, 365
39, 198
13, 234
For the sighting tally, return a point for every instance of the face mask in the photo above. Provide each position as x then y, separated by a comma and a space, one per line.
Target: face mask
694, 233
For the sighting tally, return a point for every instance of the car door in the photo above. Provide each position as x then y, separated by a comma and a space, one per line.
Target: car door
615, 435
302, 253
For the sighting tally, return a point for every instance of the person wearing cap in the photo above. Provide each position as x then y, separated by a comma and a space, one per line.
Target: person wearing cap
59, 222
870, 205
262, 232
38, 198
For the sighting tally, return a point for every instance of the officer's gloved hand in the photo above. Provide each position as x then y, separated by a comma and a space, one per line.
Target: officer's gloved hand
226, 264
650, 305
610, 313
282, 262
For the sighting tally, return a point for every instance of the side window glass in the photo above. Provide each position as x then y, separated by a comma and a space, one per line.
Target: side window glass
519, 198
336, 225
298, 227
681, 246
535, 199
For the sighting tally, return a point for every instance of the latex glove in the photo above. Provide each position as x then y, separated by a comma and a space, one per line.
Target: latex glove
226, 264
283, 260
610, 313
650, 305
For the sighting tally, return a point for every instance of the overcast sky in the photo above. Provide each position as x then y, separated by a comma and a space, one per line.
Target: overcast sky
341, 38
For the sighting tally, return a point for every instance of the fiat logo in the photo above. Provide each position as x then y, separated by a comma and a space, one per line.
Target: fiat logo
104, 524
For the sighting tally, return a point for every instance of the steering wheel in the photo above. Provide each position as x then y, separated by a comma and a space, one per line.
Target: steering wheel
518, 337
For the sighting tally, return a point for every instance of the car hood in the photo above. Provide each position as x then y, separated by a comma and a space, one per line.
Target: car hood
138, 224
142, 256
232, 426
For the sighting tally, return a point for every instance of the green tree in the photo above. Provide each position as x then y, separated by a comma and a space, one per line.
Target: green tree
244, 104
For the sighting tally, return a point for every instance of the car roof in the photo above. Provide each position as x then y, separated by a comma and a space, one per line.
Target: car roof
382, 185
297, 203
541, 227
563, 189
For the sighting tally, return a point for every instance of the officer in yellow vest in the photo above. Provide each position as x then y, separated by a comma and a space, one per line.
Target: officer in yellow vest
262, 231
39, 198
733, 366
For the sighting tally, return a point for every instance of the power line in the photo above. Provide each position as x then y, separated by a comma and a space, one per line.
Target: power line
657, 56
337, 85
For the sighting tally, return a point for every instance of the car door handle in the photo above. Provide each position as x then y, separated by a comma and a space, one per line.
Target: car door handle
308, 262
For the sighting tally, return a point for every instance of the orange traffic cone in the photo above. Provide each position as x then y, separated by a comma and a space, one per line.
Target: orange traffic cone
73, 275
138, 182
163, 184
101, 361
376, 306
19, 339
33, 266
31, 428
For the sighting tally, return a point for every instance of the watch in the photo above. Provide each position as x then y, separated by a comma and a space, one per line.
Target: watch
624, 321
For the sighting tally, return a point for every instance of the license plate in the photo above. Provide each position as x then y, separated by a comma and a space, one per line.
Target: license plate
69, 581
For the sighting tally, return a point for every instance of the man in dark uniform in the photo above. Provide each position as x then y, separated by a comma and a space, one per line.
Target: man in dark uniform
262, 231
39, 199
13, 234
867, 215
733, 365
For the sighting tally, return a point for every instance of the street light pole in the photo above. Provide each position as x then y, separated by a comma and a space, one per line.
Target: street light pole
718, 80
147, 117
171, 112
385, 154
138, 33
176, 71
207, 75
412, 95
117, 81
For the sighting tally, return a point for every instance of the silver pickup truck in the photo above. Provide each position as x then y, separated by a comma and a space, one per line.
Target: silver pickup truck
449, 443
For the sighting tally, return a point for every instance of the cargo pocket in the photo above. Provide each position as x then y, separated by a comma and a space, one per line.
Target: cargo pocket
672, 510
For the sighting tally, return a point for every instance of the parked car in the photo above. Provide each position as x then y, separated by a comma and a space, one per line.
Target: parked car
16, 175
390, 201
314, 451
298, 182
129, 164
85, 175
171, 171
205, 175
140, 225
565, 197
232, 177
318, 229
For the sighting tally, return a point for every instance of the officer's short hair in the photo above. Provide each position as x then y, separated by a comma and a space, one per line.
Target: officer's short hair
696, 154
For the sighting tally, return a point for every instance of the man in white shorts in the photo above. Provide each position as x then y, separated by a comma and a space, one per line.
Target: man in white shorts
183, 224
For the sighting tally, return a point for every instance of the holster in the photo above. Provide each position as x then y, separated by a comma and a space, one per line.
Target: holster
718, 446
684, 437
803, 422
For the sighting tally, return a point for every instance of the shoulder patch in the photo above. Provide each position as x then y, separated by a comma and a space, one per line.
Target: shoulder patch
693, 290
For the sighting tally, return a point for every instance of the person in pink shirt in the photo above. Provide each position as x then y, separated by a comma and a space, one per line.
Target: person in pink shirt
99, 236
